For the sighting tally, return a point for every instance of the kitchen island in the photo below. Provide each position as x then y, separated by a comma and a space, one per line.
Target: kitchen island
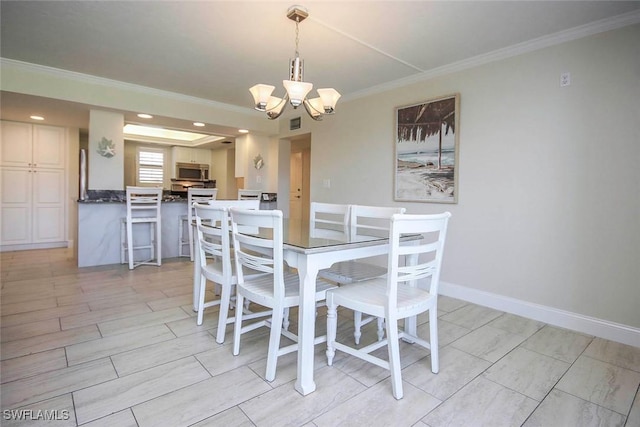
99, 221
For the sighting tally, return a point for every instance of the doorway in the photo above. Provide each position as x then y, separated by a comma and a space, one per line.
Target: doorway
300, 178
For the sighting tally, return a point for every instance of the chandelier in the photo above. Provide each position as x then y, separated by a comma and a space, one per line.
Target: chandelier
296, 88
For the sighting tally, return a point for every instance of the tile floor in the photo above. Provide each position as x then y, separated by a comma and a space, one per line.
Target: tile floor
106, 346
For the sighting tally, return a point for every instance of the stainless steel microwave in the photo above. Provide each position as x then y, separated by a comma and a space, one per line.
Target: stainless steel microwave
192, 171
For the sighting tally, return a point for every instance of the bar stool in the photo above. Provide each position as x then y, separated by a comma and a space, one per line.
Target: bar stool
194, 195
143, 207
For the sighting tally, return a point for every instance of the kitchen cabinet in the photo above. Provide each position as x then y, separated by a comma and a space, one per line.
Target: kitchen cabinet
32, 205
33, 176
27, 145
191, 155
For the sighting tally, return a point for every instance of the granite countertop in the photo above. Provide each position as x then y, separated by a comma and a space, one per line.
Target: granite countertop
170, 199
119, 196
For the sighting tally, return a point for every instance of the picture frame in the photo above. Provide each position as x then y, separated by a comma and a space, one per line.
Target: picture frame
426, 151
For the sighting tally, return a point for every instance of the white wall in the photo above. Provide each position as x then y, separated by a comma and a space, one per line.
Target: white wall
106, 173
549, 178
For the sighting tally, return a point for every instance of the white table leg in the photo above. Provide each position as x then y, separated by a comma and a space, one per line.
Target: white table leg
307, 271
196, 279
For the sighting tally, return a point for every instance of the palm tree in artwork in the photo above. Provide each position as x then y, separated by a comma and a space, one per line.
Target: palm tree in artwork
418, 122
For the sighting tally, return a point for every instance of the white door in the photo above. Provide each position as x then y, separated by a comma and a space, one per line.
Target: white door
295, 187
48, 205
17, 184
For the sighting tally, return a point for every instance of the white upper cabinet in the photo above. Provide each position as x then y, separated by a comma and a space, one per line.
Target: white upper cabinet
191, 155
32, 146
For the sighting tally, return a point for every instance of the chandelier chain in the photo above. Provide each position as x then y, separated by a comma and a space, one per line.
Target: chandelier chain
297, 35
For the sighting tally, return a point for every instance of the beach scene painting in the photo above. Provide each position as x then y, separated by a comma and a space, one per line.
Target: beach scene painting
426, 150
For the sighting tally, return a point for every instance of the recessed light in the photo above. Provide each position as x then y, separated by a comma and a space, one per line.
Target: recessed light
199, 124
37, 117
145, 116
243, 131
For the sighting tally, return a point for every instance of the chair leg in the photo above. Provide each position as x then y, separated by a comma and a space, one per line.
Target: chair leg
393, 346
433, 339
357, 326
286, 321
190, 226
237, 328
123, 242
130, 244
203, 288
152, 241
332, 326
274, 343
380, 328
225, 300
196, 281
159, 242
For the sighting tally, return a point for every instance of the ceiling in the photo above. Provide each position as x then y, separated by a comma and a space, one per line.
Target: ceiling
216, 50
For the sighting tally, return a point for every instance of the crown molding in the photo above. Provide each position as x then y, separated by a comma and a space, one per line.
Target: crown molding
116, 84
508, 52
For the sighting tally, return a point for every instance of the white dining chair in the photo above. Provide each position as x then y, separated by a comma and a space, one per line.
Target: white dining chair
328, 220
397, 296
277, 291
213, 244
363, 221
199, 195
247, 204
143, 207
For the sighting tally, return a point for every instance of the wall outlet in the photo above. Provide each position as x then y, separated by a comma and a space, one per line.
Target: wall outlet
326, 183
258, 179
565, 79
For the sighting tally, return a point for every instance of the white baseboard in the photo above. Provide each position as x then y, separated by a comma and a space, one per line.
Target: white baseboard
30, 246
553, 316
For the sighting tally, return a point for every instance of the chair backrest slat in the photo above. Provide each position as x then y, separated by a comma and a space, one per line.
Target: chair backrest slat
328, 220
199, 195
261, 248
371, 220
425, 257
244, 194
143, 200
212, 225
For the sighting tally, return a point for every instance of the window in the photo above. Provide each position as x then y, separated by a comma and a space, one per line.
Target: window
150, 166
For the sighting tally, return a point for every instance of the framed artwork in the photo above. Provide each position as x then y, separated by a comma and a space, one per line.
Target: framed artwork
426, 151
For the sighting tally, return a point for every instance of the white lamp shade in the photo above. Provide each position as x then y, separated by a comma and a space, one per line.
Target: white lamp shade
329, 98
314, 108
261, 94
297, 91
275, 107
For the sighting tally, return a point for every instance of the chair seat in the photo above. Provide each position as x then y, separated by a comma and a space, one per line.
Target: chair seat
213, 271
371, 297
260, 290
347, 272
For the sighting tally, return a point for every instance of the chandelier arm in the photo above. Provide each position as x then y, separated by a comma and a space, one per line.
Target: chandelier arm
313, 112
277, 110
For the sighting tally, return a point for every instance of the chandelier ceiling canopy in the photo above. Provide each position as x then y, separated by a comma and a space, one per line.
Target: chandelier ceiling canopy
296, 88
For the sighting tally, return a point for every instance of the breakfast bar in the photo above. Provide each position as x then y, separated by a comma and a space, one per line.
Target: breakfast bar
99, 222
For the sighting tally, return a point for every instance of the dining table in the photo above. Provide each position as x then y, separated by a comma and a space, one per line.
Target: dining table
304, 251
